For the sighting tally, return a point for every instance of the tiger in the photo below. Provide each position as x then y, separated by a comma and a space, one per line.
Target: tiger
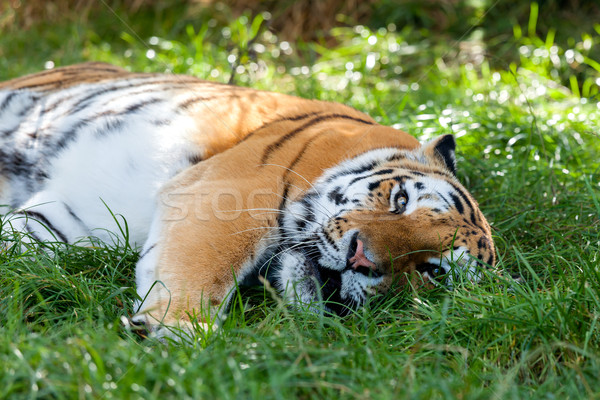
222, 185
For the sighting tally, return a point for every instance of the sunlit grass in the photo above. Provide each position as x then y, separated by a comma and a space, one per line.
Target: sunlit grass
528, 149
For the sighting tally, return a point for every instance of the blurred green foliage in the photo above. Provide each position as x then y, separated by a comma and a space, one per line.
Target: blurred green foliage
560, 37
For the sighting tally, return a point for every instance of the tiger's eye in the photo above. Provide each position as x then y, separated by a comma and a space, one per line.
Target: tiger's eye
401, 203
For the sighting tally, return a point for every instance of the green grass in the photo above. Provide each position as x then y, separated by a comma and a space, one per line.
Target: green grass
529, 151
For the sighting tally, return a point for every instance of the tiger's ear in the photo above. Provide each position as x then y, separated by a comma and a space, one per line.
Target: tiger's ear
442, 150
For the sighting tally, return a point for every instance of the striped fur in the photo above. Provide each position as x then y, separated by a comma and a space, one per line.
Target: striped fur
222, 184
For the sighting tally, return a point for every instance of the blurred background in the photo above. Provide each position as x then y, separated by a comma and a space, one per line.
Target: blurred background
386, 39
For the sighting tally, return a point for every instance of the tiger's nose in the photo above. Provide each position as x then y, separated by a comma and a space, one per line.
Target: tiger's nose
358, 261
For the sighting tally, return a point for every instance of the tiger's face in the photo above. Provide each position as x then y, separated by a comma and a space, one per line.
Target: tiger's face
373, 218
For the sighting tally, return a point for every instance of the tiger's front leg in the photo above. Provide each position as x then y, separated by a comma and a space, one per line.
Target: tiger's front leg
202, 241
177, 285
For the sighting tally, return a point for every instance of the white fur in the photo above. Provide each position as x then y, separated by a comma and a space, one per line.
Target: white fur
100, 169
434, 187
295, 279
145, 275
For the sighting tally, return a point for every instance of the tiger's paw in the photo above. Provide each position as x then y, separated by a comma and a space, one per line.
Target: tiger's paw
180, 330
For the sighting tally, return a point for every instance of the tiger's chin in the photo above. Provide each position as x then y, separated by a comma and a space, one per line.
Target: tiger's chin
305, 282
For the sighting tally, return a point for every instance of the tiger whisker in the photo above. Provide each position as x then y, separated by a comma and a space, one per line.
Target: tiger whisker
294, 172
293, 247
323, 209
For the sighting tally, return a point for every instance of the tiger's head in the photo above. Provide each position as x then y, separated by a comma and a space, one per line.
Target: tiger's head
371, 219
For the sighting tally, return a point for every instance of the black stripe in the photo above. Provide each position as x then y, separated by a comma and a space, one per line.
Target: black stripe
457, 203
65, 138
7, 101
448, 203
396, 157
40, 218
306, 199
298, 157
109, 126
384, 171
33, 234
58, 102
288, 136
464, 197
372, 186
330, 240
307, 205
282, 204
161, 122
356, 171
15, 163
481, 243
148, 250
399, 179
337, 196
135, 107
6, 133
283, 119
40, 175
195, 159
473, 219
299, 117
198, 99
468, 202
74, 216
